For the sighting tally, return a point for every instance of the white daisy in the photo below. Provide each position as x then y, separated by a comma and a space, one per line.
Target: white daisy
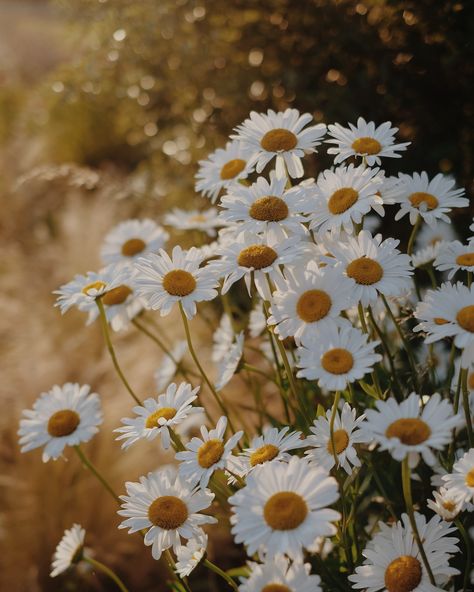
223, 168
222, 339
132, 239
309, 301
376, 266
432, 200
272, 445
189, 556
64, 416
281, 135
206, 220
408, 429
346, 433
121, 300
203, 456
431, 235
427, 255
447, 503
229, 364
257, 320
393, 561
163, 281
343, 196
284, 507
365, 140
169, 365
168, 508
158, 416
337, 357
277, 574
461, 480
454, 257
69, 550
191, 425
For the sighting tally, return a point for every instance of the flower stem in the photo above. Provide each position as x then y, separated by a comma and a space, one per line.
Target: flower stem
337, 397
89, 465
465, 404
414, 232
172, 568
107, 571
467, 542
221, 573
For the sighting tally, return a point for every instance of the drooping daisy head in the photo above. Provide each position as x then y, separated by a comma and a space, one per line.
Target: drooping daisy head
229, 365
447, 503
278, 574
167, 508
64, 416
222, 339
284, 507
455, 257
432, 199
461, 480
223, 168
365, 140
169, 365
337, 357
204, 220
132, 239
164, 281
281, 135
408, 429
190, 555
69, 550
158, 416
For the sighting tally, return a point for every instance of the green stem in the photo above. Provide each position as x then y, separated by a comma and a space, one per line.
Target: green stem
107, 571
467, 542
414, 232
365, 329
89, 465
256, 370
465, 404
221, 573
430, 272
172, 568
363, 322
337, 397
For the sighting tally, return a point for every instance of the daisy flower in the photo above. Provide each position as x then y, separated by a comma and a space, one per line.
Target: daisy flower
447, 503
337, 356
203, 456
158, 416
163, 281
284, 507
169, 365
223, 339
431, 235
366, 140
189, 556
265, 206
281, 135
343, 196
64, 416
393, 561
277, 574
132, 239
309, 301
407, 429
454, 257
426, 256
191, 425
257, 320
432, 199
229, 365
167, 508
461, 480
376, 266
223, 168
207, 220
69, 550
346, 434
272, 445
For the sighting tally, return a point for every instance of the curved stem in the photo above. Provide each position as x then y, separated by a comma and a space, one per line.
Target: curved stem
221, 573
89, 465
467, 542
414, 232
331, 427
107, 571
465, 404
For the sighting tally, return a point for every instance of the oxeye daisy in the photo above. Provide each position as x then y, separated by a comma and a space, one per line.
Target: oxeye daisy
281, 135
168, 509
393, 561
272, 445
265, 206
447, 503
223, 338
309, 301
64, 416
284, 507
461, 480
277, 574
203, 456
346, 433
222, 168
426, 256
441, 232
365, 140
132, 239
454, 257
206, 220
432, 199
337, 357
169, 365
189, 556
69, 550
408, 429
164, 281
158, 416
229, 365
343, 196
376, 266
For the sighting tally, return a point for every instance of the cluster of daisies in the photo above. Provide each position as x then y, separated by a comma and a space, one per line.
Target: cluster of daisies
338, 448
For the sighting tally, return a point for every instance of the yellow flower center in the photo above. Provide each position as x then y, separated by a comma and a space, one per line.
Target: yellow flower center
198, 218
269, 209
409, 430
168, 512
365, 271
285, 510
420, 197
63, 423
366, 145
232, 168
263, 454
440, 321
179, 282
313, 305
166, 412
465, 318
341, 441
117, 295
133, 246
403, 574
210, 453
275, 588
466, 259
342, 199
470, 478
449, 506
279, 140
257, 257
470, 381
337, 361
98, 285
